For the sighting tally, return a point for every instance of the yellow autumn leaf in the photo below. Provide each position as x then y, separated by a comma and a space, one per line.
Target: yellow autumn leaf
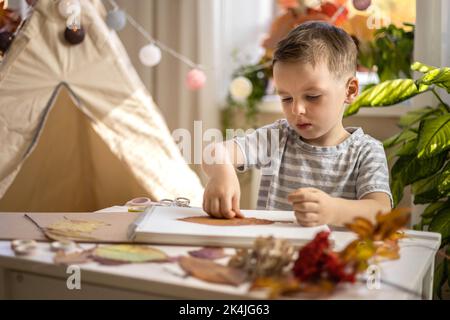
124, 253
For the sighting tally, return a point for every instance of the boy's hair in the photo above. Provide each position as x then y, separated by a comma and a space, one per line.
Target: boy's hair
314, 42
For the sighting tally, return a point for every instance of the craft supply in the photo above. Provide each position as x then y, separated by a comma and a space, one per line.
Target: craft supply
62, 245
23, 247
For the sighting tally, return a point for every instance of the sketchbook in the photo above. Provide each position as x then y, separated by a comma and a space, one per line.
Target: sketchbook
163, 225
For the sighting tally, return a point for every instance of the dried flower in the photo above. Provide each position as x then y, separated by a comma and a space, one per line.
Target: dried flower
317, 262
268, 257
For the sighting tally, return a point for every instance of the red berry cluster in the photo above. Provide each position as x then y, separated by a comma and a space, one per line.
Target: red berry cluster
317, 262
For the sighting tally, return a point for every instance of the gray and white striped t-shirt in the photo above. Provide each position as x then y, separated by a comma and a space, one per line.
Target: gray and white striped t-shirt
349, 170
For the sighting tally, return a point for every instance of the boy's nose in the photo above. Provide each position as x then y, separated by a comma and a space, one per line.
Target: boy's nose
298, 108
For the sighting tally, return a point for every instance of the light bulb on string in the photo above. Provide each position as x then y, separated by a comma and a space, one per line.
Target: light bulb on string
240, 88
67, 7
116, 19
361, 4
150, 55
195, 79
71, 9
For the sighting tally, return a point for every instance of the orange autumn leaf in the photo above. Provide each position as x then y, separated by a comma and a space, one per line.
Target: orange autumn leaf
362, 227
277, 286
291, 286
210, 271
388, 250
388, 224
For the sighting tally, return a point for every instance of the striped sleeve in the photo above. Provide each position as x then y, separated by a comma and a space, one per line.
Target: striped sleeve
373, 173
260, 146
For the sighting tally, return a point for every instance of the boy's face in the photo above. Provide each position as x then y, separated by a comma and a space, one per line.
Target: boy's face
313, 99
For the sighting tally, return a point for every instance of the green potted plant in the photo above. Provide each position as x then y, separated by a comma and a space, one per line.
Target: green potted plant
423, 151
391, 51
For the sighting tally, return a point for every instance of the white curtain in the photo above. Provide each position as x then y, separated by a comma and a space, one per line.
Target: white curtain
205, 31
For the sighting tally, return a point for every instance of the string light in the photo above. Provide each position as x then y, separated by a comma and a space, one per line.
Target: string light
71, 9
150, 39
240, 88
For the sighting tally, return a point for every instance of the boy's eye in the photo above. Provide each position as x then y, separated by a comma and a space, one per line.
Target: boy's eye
286, 100
312, 98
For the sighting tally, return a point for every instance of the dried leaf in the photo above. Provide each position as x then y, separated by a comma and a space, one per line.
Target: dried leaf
362, 227
211, 253
277, 286
210, 271
60, 235
267, 257
226, 222
388, 250
77, 230
120, 254
388, 224
77, 257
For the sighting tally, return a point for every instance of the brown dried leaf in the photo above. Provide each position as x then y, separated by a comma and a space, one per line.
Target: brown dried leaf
388, 224
77, 257
388, 250
226, 222
210, 271
277, 286
362, 227
211, 253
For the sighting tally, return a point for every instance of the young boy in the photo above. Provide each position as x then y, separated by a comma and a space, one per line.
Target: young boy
325, 173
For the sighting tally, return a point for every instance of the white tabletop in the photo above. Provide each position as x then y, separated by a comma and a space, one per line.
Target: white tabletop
163, 280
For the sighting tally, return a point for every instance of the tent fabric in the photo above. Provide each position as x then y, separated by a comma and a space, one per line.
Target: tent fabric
78, 129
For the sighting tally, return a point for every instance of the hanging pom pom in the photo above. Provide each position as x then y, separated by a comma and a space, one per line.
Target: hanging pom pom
361, 4
195, 79
67, 8
116, 19
74, 36
150, 55
241, 88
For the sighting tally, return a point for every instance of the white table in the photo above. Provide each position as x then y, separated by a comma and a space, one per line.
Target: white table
38, 277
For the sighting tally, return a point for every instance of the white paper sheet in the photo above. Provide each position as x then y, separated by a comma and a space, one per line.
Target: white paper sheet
161, 224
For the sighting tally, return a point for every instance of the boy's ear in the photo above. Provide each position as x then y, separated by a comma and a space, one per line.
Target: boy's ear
352, 90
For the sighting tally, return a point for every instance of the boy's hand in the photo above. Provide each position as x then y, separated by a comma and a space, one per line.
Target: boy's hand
222, 195
312, 206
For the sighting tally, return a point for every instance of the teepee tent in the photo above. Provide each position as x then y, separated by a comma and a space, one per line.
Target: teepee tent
78, 129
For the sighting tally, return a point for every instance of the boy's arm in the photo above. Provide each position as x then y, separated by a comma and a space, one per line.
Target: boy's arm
368, 207
222, 193
226, 153
314, 207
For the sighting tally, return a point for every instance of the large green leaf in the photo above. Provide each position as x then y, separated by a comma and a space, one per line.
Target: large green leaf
448, 266
414, 116
400, 137
409, 169
439, 77
434, 208
408, 148
427, 197
427, 184
434, 136
418, 66
444, 181
397, 187
385, 94
441, 223
440, 276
